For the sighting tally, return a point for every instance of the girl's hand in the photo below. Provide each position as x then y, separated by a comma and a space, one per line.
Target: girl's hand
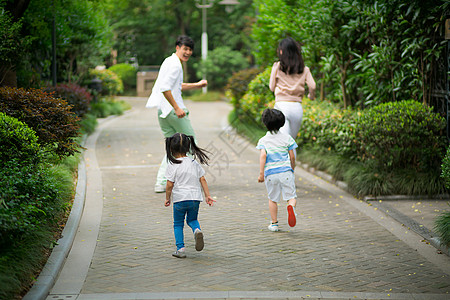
210, 201
167, 203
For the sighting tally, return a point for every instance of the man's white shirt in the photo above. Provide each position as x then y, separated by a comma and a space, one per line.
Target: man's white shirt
170, 78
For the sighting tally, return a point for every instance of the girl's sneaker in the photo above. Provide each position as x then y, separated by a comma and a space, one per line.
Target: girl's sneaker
179, 253
292, 220
160, 188
273, 227
199, 243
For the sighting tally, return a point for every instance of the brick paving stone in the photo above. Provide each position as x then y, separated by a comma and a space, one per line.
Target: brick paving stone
334, 247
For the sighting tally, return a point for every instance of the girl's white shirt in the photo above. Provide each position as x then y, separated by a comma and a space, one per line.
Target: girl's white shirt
186, 178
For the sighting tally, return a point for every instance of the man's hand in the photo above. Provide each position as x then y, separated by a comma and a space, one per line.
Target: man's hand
180, 112
202, 83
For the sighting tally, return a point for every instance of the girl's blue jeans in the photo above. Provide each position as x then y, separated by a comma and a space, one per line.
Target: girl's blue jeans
181, 210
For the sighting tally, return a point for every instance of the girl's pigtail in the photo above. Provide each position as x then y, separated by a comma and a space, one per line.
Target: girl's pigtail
169, 151
198, 152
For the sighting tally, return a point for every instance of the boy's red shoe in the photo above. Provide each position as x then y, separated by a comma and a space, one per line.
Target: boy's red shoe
292, 220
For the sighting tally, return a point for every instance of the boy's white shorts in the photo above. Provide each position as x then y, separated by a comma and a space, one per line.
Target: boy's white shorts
281, 183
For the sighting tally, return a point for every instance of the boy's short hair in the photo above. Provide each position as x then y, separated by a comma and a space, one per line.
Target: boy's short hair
185, 40
273, 119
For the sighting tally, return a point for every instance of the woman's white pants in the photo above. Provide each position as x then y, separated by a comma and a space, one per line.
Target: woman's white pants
293, 112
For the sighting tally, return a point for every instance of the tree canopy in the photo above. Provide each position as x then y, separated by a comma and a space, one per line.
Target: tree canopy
83, 38
147, 29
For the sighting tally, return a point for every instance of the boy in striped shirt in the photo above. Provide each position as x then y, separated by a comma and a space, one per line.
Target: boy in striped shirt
277, 163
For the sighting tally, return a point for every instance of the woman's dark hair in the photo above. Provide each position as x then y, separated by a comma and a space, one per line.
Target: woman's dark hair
273, 119
290, 55
179, 143
185, 40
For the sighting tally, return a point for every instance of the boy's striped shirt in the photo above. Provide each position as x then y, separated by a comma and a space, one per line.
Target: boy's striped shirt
277, 147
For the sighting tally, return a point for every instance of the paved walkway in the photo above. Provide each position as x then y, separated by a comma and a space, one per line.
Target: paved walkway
341, 248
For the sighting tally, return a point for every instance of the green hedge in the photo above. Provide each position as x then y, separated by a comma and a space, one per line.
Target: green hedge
78, 97
403, 134
56, 126
220, 64
328, 128
28, 192
127, 73
257, 98
29, 198
111, 83
33, 201
238, 84
17, 142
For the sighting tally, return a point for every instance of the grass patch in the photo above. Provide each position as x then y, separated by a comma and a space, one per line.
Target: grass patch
363, 180
210, 96
107, 107
251, 130
88, 123
442, 227
130, 92
102, 109
21, 261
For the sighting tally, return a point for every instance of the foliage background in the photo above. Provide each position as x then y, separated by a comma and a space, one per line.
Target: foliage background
83, 40
220, 65
148, 29
362, 52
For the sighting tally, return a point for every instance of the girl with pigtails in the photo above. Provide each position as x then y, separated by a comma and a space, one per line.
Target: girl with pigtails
185, 181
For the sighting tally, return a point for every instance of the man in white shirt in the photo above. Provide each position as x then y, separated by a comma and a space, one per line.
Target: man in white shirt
173, 116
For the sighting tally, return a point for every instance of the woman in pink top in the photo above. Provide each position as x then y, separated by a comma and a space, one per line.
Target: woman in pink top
287, 80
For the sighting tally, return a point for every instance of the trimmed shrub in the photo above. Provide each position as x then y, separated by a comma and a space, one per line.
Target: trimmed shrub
56, 126
238, 84
17, 142
74, 94
29, 198
127, 73
399, 135
327, 127
258, 97
221, 63
111, 83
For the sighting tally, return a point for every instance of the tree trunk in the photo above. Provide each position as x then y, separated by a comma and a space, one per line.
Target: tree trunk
344, 88
9, 79
322, 88
17, 8
183, 15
